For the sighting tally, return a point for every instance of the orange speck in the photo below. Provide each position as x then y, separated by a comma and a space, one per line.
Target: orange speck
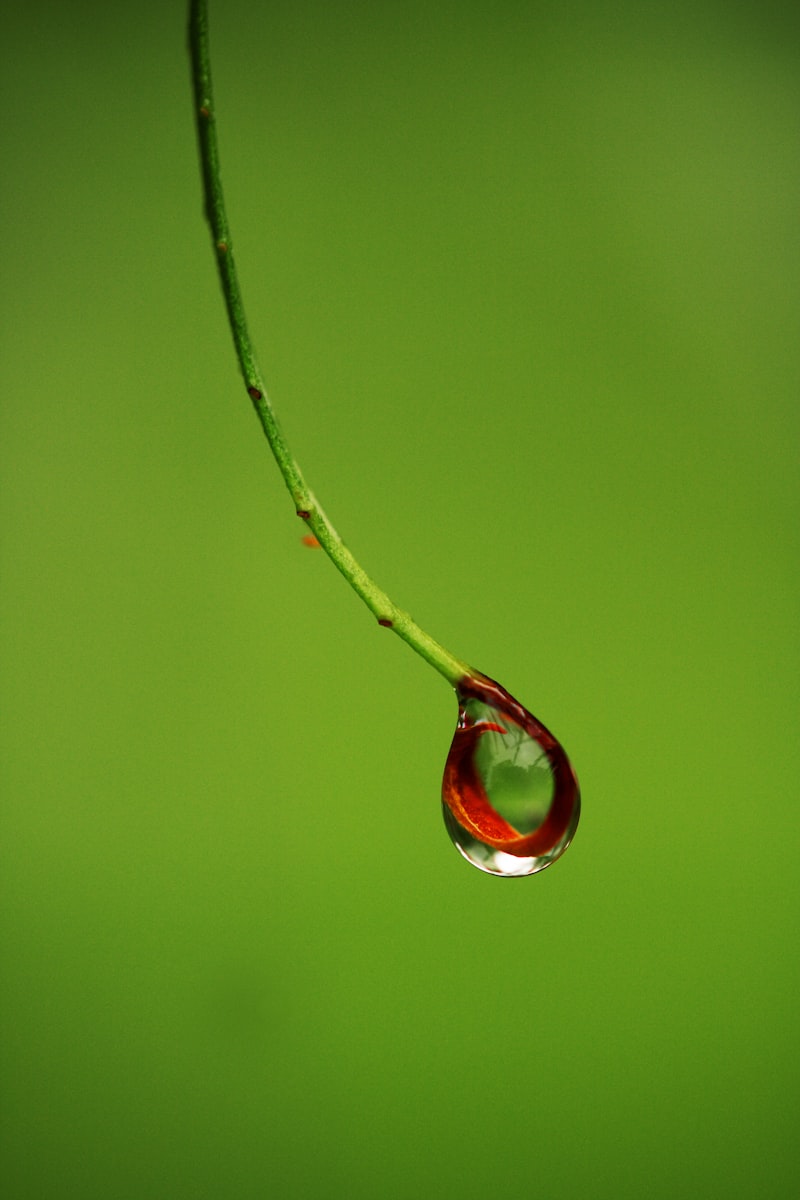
310, 541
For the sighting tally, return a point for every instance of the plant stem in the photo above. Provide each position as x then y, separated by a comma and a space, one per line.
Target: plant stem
306, 504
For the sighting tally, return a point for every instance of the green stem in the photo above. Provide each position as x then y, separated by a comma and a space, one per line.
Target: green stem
305, 502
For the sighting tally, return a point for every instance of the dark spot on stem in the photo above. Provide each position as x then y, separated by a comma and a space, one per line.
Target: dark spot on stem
254, 393
303, 513
385, 622
222, 247
204, 111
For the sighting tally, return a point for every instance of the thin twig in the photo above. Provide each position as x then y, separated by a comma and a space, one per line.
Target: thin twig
305, 502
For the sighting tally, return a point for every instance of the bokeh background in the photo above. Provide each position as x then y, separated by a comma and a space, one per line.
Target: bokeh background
524, 280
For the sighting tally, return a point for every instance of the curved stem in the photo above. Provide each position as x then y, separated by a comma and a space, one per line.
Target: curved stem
306, 504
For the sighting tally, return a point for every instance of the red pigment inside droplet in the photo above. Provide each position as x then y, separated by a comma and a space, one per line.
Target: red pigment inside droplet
464, 787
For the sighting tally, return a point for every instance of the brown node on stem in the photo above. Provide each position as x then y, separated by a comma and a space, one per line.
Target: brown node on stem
222, 247
204, 111
386, 622
254, 393
303, 513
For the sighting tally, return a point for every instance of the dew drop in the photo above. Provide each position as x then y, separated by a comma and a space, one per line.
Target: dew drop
509, 795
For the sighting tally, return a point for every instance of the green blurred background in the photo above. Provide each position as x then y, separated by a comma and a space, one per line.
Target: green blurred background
524, 282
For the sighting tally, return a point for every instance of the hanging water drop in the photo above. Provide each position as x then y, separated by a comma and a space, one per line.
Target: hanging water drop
509, 795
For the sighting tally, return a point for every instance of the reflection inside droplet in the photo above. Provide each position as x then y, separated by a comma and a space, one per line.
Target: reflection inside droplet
509, 795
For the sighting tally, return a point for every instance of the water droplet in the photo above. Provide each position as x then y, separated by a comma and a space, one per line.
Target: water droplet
510, 797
